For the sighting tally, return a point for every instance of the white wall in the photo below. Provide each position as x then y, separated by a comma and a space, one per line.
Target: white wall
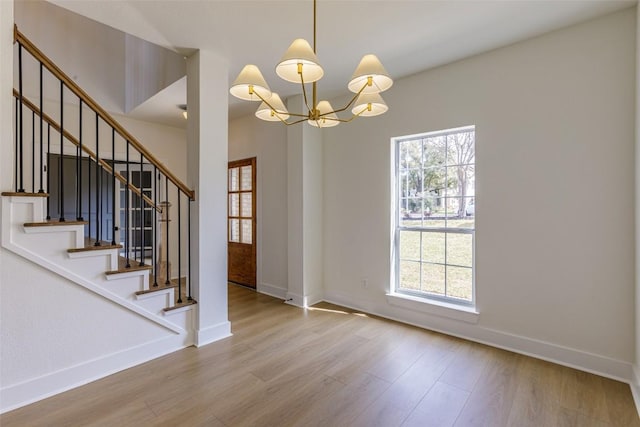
250, 137
554, 120
90, 53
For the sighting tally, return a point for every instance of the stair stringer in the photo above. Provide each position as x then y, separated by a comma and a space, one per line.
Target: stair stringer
35, 213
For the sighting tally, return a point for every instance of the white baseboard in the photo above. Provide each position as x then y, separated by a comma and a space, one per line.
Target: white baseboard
295, 299
212, 333
303, 301
578, 359
635, 386
18, 395
313, 299
272, 290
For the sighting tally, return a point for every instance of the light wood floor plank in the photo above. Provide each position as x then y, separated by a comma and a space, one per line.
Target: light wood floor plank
332, 366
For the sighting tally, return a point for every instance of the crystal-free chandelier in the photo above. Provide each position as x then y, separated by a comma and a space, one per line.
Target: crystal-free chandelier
300, 65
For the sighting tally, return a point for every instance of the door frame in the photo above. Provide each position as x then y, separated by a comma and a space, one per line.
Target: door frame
249, 161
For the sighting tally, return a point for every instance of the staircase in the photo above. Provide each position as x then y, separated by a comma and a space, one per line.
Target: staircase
81, 208
62, 248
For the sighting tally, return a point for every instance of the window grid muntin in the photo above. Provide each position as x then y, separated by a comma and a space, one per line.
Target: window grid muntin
402, 201
237, 188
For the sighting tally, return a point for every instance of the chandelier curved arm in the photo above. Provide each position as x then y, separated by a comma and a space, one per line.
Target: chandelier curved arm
275, 110
350, 118
353, 99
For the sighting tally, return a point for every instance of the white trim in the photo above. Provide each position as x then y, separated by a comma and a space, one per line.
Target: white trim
635, 386
295, 299
589, 362
437, 308
76, 228
93, 253
7, 242
125, 274
272, 290
67, 274
212, 334
111, 252
32, 390
313, 299
178, 310
158, 293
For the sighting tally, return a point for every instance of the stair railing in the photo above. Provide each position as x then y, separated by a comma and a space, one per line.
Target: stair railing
125, 170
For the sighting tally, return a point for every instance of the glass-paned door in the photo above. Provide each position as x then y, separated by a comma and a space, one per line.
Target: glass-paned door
241, 222
139, 215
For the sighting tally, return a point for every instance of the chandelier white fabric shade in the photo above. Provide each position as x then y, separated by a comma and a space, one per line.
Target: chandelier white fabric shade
248, 83
369, 105
370, 67
300, 65
299, 53
267, 113
328, 120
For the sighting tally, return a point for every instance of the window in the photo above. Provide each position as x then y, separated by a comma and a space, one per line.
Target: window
435, 215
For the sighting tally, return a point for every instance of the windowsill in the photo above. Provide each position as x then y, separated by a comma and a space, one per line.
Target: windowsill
437, 308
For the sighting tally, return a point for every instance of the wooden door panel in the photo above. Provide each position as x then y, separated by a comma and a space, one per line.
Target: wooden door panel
242, 265
241, 222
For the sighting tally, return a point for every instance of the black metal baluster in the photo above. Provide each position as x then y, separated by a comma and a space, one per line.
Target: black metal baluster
166, 216
21, 161
127, 213
189, 251
61, 181
41, 189
79, 170
98, 189
142, 204
179, 250
89, 189
18, 131
154, 226
113, 186
33, 151
48, 171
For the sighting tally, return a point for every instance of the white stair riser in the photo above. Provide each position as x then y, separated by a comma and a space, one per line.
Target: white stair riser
26, 209
155, 302
49, 245
126, 287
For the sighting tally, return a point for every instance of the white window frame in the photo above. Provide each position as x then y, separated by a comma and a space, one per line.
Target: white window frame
408, 298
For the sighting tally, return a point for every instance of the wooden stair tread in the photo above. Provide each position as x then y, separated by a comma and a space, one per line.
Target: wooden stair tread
156, 289
90, 245
184, 303
133, 266
54, 222
23, 194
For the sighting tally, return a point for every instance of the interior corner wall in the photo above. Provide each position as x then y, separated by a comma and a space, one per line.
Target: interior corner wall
250, 137
554, 119
635, 384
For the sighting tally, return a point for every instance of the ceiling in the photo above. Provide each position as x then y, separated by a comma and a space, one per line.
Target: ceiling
407, 36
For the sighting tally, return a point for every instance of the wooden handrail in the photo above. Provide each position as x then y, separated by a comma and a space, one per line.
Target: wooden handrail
53, 68
30, 105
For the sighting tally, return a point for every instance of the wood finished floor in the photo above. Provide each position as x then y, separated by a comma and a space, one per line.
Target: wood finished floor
330, 366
